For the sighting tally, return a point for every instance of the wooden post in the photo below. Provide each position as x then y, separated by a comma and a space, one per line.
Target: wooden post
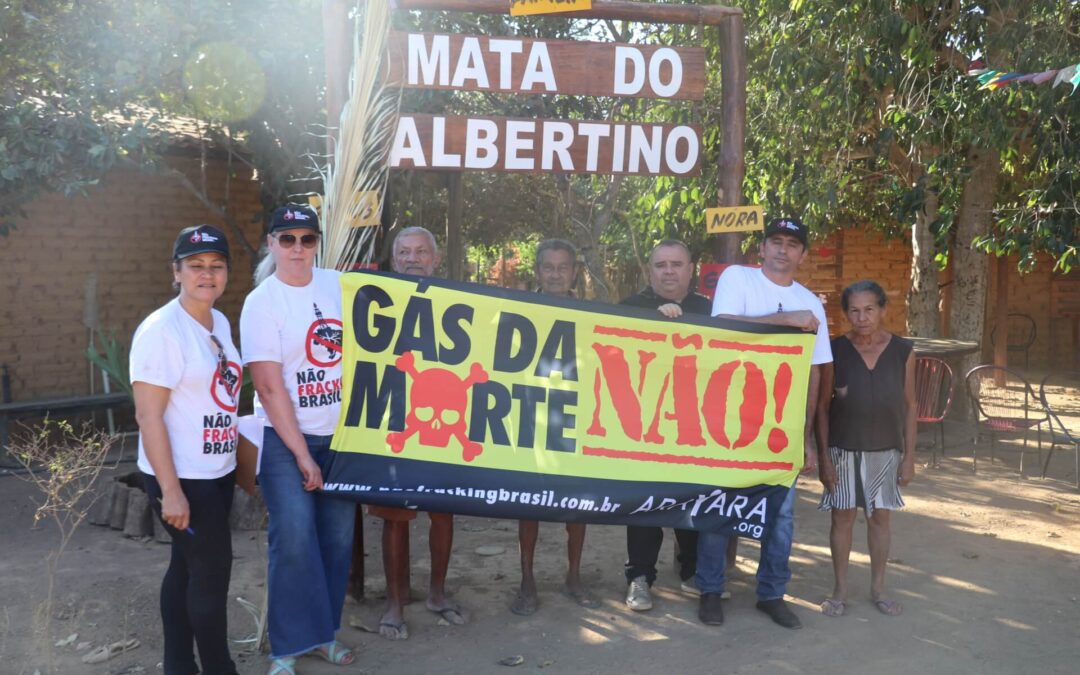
455, 249
338, 58
732, 164
337, 41
1001, 317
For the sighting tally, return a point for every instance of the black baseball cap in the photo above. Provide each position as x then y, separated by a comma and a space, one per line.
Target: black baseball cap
292, 217
789, 226
200, 239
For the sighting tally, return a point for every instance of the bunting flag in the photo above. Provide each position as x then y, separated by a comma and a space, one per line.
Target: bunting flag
997, 79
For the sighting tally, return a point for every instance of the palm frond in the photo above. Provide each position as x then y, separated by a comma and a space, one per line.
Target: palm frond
362, 150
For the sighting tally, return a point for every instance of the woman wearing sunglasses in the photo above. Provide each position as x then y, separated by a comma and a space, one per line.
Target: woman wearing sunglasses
290, 331
186, 376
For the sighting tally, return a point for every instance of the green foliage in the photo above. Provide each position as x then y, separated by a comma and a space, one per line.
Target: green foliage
112, 360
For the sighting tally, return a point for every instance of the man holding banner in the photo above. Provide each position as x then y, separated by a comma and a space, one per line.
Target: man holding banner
556, 270
670, 270
414, 252
769, 295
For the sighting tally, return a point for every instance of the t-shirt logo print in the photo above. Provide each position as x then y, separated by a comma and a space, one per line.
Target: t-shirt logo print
225, 387
324, 340
437, 402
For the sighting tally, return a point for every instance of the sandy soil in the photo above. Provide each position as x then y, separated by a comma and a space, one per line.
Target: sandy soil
987, 567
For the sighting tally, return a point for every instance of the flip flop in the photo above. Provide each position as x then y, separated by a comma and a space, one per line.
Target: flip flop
336, 653
831, 607
452, 615
583, 598
106, 652
394, 631
888, 606
286, 665
524, 606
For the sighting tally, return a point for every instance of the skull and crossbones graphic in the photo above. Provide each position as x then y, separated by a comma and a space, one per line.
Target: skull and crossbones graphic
437, 402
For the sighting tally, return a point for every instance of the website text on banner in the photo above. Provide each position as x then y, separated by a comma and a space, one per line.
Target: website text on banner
482, 401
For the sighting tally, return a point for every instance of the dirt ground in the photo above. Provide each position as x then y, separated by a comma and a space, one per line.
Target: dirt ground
987, 567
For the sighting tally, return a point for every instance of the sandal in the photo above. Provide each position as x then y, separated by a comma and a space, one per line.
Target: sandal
336, 653
888, 607
831, 607
286, 665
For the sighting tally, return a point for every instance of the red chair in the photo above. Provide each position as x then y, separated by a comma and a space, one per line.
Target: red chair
933, 396
1002, 402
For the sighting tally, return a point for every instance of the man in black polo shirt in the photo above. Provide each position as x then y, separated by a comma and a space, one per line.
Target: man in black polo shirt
670, 271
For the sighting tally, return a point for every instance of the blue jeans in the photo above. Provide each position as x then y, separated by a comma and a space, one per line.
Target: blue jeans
773, 571
310, 550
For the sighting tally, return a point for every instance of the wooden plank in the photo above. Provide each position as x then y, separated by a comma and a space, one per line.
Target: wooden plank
619, 10
520, 65
450, 142
727, 248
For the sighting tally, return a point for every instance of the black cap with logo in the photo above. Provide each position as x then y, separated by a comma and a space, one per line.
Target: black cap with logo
200, 239
789, 226
292, 217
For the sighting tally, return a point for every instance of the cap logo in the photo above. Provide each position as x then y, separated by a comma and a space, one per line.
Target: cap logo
787, 224
196, 237
297, 215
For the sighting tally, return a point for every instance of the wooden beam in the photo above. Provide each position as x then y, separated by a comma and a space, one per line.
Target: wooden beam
731, 164
619, 10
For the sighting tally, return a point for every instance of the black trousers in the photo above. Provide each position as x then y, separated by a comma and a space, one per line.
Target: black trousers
195, 590
643, 548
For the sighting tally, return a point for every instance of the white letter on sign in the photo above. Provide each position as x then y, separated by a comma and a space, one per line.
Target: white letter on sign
593, 132
504, 48
538, 69
437, 59
671, 56
671, 149
439, 156
558, 136
407, 144
481, 135
515, 143
622, 86
470, 65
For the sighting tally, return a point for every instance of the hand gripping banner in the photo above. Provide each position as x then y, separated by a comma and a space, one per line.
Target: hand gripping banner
469, 399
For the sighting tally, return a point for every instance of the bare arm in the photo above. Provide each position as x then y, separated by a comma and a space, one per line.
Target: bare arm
803, 319
275, 400
150, 403
911, 425
826, 469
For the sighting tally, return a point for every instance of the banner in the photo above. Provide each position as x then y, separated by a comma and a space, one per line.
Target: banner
485, 401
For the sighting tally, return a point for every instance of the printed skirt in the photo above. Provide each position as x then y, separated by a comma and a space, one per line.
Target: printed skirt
864, 479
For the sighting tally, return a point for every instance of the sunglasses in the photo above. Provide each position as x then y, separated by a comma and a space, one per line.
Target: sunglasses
289, 240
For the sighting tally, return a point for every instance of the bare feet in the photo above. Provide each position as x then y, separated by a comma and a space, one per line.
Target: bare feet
525, 602
577, 592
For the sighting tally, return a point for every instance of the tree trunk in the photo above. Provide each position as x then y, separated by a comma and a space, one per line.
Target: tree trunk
922, 297
973, 221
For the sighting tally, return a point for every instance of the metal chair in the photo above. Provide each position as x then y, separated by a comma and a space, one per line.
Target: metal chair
1064, 416
933, 396
1020, 334
1002, 401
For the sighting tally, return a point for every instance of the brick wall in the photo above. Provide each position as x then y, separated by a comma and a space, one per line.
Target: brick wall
121, 232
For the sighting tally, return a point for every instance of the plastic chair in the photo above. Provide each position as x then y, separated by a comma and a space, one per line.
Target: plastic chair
1003, 402
1064, 416
1020, 334
933, 396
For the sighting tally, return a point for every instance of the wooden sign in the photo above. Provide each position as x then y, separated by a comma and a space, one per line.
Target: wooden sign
734, 219
529, 7
531, 145
522, 65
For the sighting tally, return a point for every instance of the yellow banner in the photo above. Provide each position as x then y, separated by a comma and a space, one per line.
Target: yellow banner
527, 7
470, 375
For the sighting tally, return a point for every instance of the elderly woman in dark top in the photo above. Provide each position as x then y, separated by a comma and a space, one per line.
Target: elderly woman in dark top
866, 438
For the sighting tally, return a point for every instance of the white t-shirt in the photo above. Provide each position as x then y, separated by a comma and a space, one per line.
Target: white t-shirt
746, 291
300, 328
173, 350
